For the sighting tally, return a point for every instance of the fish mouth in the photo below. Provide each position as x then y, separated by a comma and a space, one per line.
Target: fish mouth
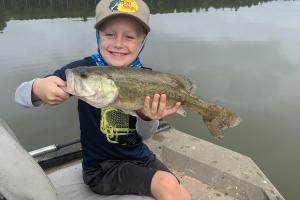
75, 86
70, 82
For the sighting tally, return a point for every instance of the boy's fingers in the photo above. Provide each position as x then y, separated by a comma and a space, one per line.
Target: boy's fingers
64, 88
59, 81
174, 109
162, 104
62, 94
155, 103
58, 100
147, 104
177, 105
53, 102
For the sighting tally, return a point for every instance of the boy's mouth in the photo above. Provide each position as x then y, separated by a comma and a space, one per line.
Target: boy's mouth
117, 53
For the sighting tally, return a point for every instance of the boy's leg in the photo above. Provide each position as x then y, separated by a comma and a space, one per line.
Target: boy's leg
119, 177
123, 177
149, 178
165, 186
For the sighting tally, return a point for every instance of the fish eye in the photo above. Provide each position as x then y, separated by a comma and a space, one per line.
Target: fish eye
83, 74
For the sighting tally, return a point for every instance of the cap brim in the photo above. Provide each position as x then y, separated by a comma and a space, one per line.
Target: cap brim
147, 28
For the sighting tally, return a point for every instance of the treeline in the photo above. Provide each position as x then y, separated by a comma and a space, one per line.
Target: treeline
169, 6
47, 9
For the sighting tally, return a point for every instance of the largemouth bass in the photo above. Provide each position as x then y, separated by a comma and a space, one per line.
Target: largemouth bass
126, 88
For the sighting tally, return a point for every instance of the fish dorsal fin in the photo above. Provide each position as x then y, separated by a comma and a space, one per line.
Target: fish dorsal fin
186, 83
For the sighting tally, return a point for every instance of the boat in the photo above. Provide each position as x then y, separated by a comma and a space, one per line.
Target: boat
208, 171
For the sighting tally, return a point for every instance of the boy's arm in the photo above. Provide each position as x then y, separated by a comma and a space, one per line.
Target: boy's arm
23, 95
146, 128
148, 116
46, 90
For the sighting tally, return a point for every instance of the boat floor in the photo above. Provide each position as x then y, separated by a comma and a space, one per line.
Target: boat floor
69, 186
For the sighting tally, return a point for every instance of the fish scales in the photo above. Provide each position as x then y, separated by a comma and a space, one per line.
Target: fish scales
128, 90
131, 84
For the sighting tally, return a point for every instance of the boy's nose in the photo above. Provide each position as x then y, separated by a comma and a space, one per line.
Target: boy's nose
118, 41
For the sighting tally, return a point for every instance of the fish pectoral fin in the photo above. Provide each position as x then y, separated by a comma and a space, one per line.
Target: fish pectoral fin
130, 112
133, 113
181, 112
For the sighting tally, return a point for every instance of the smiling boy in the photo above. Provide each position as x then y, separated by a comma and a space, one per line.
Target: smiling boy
115, 159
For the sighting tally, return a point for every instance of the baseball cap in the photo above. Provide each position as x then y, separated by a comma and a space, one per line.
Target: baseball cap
137, 9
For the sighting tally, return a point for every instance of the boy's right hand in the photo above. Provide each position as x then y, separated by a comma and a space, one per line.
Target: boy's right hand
49, 90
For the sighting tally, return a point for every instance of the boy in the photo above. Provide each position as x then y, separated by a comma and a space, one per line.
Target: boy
115, 160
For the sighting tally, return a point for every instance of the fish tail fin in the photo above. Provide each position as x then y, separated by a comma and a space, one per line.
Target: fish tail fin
218, 119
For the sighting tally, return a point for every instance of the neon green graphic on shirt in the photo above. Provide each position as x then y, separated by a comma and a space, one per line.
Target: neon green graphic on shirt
115, 123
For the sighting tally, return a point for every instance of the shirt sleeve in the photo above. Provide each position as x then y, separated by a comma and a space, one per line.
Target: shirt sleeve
23, 92
146, 128
23, 95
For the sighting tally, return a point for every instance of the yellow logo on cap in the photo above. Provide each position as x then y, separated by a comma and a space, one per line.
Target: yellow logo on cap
127, 6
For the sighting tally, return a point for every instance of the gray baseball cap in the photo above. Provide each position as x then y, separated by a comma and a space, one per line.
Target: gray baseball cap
137, 9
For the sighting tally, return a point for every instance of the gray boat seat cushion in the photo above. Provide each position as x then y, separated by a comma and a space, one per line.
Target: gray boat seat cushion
20, 176
69, 185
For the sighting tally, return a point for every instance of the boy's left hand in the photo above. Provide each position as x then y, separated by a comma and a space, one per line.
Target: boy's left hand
158, 109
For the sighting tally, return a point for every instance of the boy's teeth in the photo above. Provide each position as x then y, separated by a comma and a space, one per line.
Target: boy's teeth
118, 54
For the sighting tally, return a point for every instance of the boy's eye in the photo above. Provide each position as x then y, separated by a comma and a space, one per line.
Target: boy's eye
130, 37
109, 34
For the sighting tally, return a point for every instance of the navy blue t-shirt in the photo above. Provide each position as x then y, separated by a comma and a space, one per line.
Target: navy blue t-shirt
107, 133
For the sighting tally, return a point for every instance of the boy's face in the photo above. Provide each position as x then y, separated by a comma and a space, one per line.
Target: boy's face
121, 38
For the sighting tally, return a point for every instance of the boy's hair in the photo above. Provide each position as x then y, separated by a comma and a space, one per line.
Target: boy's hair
136, 9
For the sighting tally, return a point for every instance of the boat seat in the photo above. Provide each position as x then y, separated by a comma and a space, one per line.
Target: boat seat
20, 176
69, 186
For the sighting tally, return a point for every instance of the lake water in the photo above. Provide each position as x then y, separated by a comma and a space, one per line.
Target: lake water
243, 56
